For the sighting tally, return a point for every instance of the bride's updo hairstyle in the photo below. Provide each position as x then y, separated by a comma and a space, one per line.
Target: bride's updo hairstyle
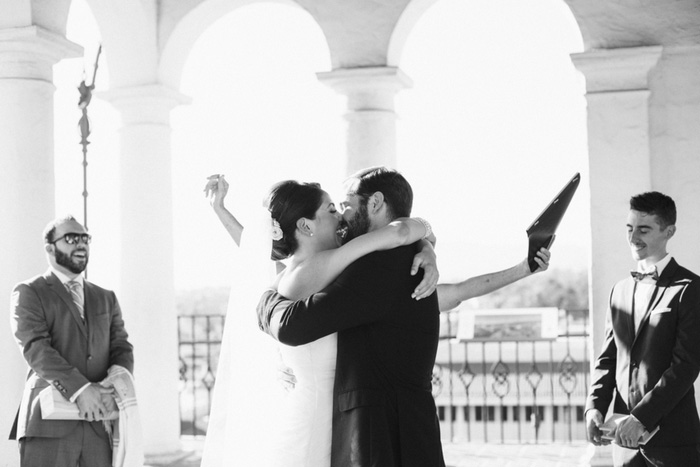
288, 202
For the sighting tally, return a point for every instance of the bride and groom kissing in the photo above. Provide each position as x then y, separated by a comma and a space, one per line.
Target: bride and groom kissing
358, 324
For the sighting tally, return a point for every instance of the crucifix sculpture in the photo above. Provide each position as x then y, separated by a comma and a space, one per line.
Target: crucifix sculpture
84, 124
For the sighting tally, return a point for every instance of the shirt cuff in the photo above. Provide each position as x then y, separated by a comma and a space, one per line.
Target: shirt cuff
78, 392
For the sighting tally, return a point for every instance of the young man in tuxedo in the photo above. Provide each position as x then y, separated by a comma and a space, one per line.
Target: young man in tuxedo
70, 331
651, 353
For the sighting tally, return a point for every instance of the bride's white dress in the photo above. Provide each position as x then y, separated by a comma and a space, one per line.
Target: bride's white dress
303, 436
253, 421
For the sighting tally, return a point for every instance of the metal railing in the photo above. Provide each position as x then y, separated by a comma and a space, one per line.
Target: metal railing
514, 391
199, 342
501, 391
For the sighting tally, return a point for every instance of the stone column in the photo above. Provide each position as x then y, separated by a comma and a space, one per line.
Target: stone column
27, 56
147, 294
617, 91
371, 118
675, 164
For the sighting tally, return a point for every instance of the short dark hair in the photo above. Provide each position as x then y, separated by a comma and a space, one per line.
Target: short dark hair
655, 203
397, 192
50, 229
288, 202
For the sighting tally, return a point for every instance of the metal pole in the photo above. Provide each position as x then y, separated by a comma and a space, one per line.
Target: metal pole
84, 124
84, 142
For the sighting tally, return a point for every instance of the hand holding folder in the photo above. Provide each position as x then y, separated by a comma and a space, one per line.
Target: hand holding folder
611, 424
541, 233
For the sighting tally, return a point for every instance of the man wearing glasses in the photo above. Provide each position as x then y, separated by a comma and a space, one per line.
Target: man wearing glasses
70, 332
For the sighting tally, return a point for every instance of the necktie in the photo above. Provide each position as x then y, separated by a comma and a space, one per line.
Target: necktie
76, 292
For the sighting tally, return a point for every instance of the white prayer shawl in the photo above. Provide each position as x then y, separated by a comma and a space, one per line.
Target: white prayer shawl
125, 432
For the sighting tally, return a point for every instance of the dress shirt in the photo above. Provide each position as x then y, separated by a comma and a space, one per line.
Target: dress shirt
64, 280
643, 290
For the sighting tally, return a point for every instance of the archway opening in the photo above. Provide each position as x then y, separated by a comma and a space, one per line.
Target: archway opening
494, 126
258, 115
102, 150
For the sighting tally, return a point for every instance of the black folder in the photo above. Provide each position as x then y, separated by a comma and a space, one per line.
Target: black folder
541, 232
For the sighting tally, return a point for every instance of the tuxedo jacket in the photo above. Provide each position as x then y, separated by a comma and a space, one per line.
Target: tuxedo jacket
61, 349
651, 371
383, 410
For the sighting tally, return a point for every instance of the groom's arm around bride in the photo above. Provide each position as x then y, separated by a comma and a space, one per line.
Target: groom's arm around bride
384, 413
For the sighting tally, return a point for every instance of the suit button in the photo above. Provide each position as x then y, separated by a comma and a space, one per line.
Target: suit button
89, 357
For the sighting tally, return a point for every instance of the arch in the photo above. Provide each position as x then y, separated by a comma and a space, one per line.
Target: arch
128, 30
50, 15
468, 77
249, 73
408, 19
18, 16
410, 16
609, 25
186, 27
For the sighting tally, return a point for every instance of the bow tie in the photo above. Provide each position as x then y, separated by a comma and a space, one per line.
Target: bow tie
639, 276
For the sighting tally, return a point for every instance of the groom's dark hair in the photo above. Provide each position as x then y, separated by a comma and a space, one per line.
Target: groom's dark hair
398, 194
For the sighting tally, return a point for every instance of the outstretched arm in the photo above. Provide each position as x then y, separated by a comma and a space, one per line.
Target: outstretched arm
451, 295
322, 268
216, 190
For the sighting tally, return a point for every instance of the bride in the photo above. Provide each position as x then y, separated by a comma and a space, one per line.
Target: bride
251, 423
303, 226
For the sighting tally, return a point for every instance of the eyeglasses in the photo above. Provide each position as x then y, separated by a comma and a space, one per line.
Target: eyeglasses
74, 238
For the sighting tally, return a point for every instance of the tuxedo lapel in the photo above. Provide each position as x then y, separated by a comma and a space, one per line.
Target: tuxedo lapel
642, 323
628, 318
668, 275
662, 283
57, 287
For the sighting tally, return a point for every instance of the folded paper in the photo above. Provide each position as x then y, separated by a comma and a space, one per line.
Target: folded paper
611, 424
56, 407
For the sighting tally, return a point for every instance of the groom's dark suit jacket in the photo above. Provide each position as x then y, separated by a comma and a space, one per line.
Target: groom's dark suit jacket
383, 411
651, 371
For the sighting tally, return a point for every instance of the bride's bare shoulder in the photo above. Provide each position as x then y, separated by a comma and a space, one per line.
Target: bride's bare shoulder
299, 280
287, 281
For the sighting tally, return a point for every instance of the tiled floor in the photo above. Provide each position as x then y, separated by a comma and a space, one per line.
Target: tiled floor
456, 455
516, 455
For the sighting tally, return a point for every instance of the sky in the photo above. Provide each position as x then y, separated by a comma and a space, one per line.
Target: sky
491, 130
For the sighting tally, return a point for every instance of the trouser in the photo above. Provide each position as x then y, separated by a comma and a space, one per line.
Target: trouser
86, 446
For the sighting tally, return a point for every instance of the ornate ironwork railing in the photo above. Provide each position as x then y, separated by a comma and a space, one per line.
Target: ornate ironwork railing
497, 391
199, 341
514, 391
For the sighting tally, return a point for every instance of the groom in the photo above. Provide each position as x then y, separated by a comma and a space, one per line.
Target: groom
383, 410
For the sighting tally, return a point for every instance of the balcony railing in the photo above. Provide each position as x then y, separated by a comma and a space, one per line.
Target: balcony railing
199, 338
496, 391
511, 390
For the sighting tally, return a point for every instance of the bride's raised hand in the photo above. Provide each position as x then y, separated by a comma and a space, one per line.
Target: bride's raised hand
212, 181
216, 190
